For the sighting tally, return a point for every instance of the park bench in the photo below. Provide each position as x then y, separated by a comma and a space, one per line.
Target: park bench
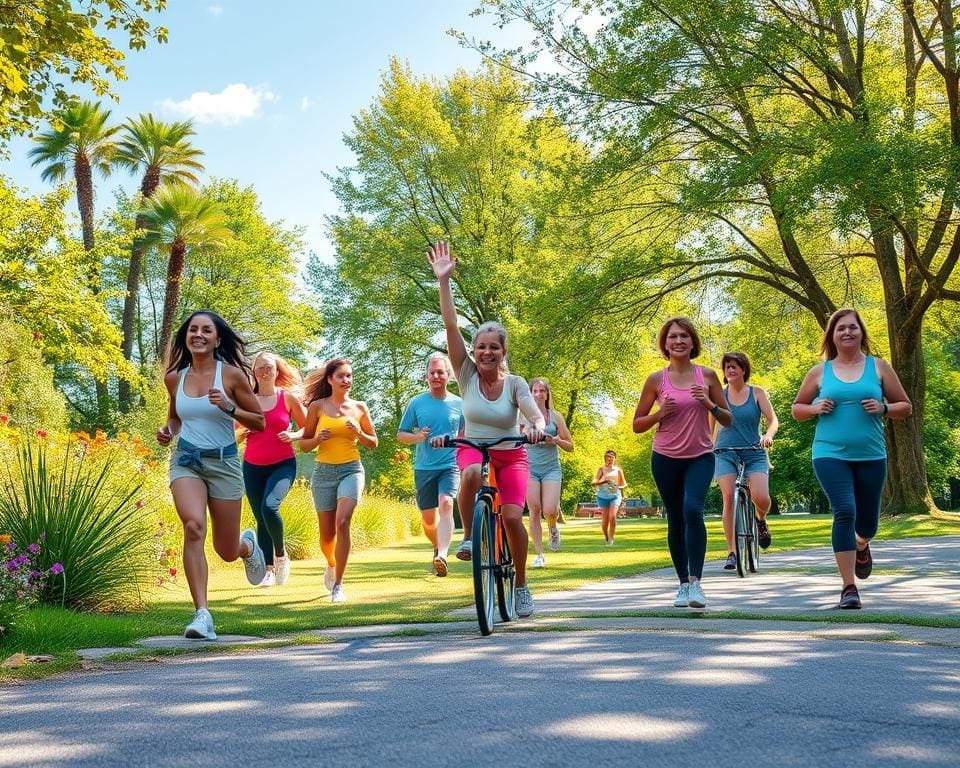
628, 508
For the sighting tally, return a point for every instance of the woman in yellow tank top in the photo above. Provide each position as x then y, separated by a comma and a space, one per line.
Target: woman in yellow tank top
335, 425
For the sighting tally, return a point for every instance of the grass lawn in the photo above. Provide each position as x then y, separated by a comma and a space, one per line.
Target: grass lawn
392, 584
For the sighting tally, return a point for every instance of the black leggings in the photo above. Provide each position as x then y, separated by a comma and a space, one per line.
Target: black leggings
683, 486
854, 489
267, 486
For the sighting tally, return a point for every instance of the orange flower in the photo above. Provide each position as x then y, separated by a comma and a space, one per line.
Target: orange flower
5, 538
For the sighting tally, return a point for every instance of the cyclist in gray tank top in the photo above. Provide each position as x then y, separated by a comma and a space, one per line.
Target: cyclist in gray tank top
209, 388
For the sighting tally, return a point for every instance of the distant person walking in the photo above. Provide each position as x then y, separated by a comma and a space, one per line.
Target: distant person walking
609, 483
546, 476
208, 387
682, 460
747, 403
850, 394
269, 462
335, 425
435, 474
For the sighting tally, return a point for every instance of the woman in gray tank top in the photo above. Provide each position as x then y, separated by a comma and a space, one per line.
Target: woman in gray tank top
208, 382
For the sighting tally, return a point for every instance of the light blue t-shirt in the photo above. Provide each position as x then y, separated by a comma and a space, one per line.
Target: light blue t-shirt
849, 432
444, 417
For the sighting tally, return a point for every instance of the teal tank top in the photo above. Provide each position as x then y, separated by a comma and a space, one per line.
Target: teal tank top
744, 430
850, 433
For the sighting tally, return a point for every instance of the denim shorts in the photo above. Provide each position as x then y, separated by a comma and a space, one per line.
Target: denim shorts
604, 501
330, 482
223, 477
756, 462
434, 483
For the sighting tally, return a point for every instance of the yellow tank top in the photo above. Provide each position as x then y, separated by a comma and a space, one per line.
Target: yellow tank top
341, 446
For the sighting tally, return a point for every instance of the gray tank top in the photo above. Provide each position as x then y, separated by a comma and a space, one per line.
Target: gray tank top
202, 423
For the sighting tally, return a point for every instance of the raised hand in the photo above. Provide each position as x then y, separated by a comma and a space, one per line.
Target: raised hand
872, 406
823, 407
164, 435
441, 261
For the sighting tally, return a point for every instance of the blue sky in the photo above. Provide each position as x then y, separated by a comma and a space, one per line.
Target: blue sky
272, 87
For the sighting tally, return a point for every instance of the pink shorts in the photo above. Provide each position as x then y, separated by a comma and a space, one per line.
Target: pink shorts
510, 466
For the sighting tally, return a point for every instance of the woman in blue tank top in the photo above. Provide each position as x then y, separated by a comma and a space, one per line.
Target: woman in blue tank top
851, 393
207, 380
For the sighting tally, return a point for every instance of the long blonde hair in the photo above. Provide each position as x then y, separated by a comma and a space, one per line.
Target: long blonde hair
288, 378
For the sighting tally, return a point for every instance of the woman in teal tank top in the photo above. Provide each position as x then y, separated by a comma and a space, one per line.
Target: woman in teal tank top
850, 394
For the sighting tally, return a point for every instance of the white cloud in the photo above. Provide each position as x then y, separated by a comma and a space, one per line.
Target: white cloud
233, 104
306, 102
215, 10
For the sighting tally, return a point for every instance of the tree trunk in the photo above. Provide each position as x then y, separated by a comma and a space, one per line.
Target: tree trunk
171, 298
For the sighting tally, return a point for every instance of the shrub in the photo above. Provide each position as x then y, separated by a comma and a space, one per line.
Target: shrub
84, 498
21, 579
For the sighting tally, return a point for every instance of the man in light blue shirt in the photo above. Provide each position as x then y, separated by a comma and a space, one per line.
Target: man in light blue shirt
434, 413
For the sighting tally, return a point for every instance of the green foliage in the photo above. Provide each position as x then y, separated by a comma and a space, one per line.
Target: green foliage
28, 396
88, 513
47, 44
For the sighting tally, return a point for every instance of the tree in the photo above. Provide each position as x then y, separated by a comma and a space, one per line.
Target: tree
79, 143
808, 149
178, 219
161, 153
46, 42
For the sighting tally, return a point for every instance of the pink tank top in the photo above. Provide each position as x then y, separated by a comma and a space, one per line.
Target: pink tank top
264, 448
685, 433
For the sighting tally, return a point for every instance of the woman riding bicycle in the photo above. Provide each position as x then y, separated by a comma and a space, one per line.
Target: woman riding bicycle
747, 403
491, 399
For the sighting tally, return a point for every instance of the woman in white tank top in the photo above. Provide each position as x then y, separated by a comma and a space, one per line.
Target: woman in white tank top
207, 380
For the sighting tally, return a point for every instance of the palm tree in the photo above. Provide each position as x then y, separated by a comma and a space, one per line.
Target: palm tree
79, 141
179, 219
163, 154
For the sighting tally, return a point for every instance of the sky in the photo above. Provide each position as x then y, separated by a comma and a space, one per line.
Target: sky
272, 88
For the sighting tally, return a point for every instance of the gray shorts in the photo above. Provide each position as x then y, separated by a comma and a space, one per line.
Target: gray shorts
756, 462
433, 483
223, 477
541, 474
330, 482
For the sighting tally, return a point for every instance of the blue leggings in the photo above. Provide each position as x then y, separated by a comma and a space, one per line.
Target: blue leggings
267, 486
853, 488
683, 486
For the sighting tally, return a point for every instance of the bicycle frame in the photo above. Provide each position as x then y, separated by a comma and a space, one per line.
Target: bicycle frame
747, 550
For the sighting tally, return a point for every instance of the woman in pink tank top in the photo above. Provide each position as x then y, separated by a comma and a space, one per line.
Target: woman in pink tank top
682, 460
269, 463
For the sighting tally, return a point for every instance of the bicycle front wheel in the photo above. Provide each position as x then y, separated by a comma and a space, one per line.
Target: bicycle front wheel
741, 527
506, 575
483, 565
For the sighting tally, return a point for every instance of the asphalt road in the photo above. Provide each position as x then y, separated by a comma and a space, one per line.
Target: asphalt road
638, 697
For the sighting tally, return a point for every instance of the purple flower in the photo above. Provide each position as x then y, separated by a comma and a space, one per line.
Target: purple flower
34, 549
12, 565
56, 568
11, 546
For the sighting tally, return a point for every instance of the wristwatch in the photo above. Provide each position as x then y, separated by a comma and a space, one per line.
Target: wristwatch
232, 409
715, 410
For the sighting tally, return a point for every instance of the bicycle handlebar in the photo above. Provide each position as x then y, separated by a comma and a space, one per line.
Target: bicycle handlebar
449, 442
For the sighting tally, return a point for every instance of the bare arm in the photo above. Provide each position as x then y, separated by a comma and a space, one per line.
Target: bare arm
365, 431
248, 411
803, 407
171, 429
642, 418
714, 402
311, 439
299, 415
898, 403
563, 438
766, 408
527, 405
443, 265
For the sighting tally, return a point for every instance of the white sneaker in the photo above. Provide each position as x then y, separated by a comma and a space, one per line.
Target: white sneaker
329, 577
610, 543
201, 628
682, 599
697, 599
269, 579
281, 566
254, 564
554, 539
539, 562
524, 602
338, 595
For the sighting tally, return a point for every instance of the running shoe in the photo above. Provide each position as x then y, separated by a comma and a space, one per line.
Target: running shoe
554, 539
330, 577
465, 550
440, 565
763, 534
864, 565
696, 598
539, 562
269, 579
731, 562
338, 595
610, 543
682, 600
201, 628
254, 564
281, 567
850, 598
524, 602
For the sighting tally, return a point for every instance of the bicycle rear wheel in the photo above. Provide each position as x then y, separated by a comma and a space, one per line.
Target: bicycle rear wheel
753, 543
506, 575
742, 530
483, 565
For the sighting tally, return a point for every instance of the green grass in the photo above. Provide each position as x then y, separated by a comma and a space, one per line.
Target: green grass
395, 585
